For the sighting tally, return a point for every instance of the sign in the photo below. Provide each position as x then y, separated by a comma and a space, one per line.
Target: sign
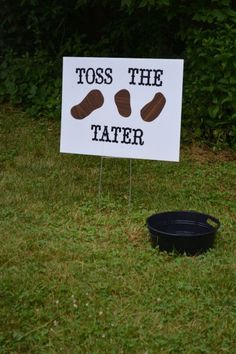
121, 107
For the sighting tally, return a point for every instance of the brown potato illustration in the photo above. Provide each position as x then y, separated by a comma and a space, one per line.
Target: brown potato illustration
92, 101
122, 101
152, 109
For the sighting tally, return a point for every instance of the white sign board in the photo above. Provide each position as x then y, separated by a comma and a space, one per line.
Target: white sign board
122, 107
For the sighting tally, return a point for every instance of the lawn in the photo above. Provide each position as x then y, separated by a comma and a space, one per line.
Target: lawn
78, 274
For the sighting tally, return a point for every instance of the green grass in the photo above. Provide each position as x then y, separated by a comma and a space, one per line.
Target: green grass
76, 278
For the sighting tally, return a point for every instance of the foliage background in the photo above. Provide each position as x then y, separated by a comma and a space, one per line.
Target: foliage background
35, 36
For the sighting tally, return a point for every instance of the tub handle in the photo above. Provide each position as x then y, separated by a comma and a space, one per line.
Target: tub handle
210, 220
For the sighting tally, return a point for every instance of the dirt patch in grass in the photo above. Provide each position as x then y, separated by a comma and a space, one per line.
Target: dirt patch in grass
203, 153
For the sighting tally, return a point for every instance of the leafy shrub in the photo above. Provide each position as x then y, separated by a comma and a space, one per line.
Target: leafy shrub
210, 84
34, 37
33, 82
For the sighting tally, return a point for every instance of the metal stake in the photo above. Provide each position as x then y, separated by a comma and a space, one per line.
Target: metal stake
130, 182
100, 182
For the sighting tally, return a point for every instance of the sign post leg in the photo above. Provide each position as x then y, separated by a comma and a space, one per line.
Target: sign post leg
130, 182
100, 182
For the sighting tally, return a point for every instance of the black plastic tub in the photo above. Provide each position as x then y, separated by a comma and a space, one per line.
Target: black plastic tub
187, 232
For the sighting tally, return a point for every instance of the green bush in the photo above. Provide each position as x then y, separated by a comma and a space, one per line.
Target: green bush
34, 37
31, 82
210, 84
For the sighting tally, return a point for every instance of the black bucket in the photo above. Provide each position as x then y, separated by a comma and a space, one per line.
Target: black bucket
187, 232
